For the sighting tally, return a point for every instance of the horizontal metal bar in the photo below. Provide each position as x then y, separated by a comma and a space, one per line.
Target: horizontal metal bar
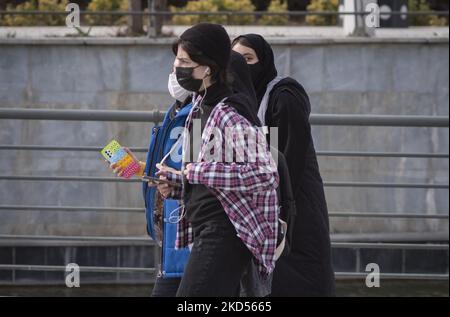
220, 13
379, 120
157, 116
78, 238
379, 154
140, 210
122, 180
399, 276
387, 215
82, 115
71, 208
104, 269
83, 269
409, 246
61, 148
390, 237
353, 245
70, 178
143, 149
384, 185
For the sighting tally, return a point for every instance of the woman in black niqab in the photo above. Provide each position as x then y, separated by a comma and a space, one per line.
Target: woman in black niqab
307, 270
244, 96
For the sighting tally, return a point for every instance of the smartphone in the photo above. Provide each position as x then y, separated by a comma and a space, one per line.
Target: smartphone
157, 180
114, 153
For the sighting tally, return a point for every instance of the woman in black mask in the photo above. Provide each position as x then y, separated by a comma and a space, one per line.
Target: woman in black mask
230, 208
283, 103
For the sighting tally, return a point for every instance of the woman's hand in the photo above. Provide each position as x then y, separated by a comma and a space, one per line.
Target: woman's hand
187, 169
164, 169
165, 189
119, 170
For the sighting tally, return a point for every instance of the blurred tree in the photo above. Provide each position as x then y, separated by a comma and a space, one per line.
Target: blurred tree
177, 3
261, 5
241, 5
205, 5
276, 6
439, 5
298, 5
214, 6
107, 5
41, 20
424, 20
322, 5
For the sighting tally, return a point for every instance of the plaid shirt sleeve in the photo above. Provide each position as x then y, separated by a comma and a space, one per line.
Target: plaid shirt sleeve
257, 175
233, 176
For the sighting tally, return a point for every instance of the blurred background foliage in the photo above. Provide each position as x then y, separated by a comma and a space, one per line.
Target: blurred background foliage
206, 5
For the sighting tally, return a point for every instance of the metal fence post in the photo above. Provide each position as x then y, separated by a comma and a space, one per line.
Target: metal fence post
355, 24
134, 21
155, 22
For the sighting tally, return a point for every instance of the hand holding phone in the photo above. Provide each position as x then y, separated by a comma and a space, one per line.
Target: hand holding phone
159, 181
120, 158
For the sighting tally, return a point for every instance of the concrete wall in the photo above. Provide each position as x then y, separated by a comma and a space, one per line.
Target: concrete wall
349, 76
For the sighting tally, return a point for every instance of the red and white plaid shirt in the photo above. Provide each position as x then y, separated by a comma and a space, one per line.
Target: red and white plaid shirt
246, 189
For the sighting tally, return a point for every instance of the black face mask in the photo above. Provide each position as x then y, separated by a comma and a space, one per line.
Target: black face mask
255, 71
185, 79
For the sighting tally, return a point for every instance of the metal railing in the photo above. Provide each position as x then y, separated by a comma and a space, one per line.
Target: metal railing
152, 270
107, 269
156, 18
221, 13
148, 241
144, 150
157, 116
387, 215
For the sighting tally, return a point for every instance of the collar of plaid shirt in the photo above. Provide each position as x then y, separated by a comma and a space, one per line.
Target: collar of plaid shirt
247, 191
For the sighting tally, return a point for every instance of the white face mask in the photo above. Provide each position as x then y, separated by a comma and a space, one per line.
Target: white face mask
175, 90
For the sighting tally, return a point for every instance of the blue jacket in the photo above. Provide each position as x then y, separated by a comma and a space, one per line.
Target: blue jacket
161, 142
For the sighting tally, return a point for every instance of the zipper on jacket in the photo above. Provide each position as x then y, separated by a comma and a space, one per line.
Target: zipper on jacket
156, 130
161, 152
156, 133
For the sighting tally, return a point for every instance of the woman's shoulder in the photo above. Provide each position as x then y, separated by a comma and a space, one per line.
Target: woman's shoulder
287, 93
224, 116
288, 87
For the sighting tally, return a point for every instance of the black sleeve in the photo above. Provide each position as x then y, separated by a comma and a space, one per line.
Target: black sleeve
288, 112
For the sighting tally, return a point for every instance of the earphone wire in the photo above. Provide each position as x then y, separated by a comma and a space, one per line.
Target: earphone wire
198, 100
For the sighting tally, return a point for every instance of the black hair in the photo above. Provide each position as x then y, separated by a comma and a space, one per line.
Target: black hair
241, 40
218, 74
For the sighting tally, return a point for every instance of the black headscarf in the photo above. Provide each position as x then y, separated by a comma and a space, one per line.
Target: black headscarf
244, 96
264, 71
239, 93
211, 39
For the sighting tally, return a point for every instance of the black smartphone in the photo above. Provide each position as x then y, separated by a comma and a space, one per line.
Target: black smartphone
157, 180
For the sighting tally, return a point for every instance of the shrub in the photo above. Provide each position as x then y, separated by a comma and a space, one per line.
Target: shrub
214, 6
424, 20
276, 6
42, 20
107, 5
322, 5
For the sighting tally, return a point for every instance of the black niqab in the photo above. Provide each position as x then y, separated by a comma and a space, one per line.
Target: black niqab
244, 96
266, 63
